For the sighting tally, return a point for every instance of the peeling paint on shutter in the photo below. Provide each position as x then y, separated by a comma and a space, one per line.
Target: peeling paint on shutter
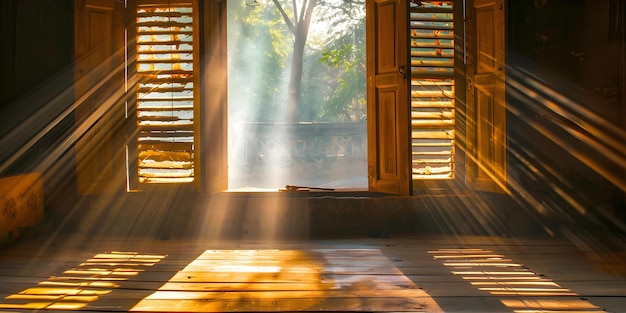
432, 89
165, 101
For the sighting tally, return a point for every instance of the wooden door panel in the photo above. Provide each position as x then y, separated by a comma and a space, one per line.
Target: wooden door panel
98, 44
386, 100
386, 48
486, 107
486, 56
387, 89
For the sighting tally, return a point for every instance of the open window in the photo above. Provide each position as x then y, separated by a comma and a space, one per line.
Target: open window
175, 108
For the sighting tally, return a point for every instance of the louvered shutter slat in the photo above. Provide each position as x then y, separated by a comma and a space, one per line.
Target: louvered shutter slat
431, 39
165, 115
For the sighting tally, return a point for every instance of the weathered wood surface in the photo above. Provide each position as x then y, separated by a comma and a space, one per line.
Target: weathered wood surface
367, 275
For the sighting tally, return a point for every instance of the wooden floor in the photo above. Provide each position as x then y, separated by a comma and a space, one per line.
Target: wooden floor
403, 274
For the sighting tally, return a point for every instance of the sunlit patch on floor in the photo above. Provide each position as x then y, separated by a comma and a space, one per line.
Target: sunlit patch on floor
77, 287
521, 289
289, 280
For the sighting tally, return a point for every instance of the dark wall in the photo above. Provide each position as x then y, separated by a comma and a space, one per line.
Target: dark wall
36, 80
37, 43
7, 51
565, 91
35, 56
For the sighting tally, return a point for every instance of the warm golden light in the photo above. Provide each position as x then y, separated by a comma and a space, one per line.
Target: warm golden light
541, 305
286, 280
518, 281
87, 285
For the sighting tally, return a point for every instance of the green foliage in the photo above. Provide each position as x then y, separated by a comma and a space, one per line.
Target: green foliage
348, 99
258, 52
260, 47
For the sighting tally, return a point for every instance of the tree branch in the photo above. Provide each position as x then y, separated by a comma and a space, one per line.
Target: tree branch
309, 14
304, 8
295, 12
290, 25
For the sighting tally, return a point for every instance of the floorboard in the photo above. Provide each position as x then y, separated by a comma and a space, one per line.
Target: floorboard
412, 274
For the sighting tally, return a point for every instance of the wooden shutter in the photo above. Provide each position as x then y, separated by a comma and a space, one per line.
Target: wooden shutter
99, 91
486, 106
432, 89
165, 96
387, 96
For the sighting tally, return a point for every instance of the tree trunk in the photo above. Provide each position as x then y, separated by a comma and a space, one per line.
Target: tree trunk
295, 77
300, 33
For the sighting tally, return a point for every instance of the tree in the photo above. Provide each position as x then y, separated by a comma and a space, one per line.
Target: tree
299, 27
348, 99
345, 52
261, 51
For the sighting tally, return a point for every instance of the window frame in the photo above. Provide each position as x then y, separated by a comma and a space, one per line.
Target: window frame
211, 158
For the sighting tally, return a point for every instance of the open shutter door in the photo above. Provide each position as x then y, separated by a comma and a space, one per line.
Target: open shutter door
181, 134
486, 106
387, 85
99, 94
